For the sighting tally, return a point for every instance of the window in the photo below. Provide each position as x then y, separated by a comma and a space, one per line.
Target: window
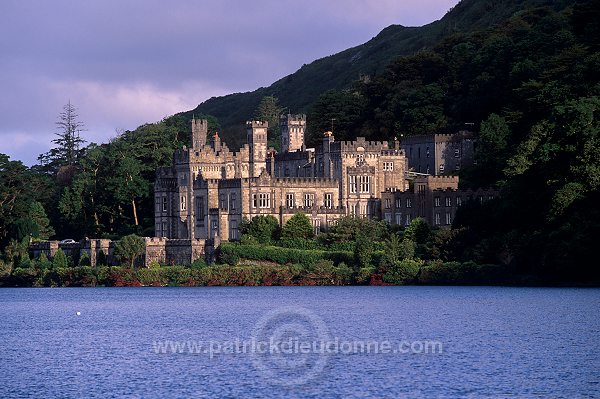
437, 201
408, 203
437, 218
183, 203
233, 230
164, 229
215, 225
407, 221
360, 158
309, 200
254, 201
456, 153
232, 200
398, 203
316, 226
157, 204
352, 180
157, 231
388, 217
164, 204
264, 200
427, 153
388, 166
200, 208
223, 201
442, 168
458, 201
448, 201
448, 218
290, 200
388, 203
328, 202
398, 218
365, 184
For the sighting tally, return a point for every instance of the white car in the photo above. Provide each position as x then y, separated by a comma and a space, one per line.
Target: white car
68, 241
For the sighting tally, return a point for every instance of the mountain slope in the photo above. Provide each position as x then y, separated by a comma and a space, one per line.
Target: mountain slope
300, 90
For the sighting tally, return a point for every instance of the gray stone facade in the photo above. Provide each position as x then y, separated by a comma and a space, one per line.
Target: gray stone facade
209, 190
439, 154
433, 198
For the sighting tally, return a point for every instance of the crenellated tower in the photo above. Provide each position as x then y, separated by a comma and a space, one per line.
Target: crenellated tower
257, 143
292, 132
199, 133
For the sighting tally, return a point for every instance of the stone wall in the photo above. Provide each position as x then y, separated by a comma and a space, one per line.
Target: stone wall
162, 250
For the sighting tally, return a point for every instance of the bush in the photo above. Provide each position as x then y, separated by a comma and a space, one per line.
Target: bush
42, 262
84, 259
298, 226
342, 274
229, 258
59, 260
154, 265
364, 275
403, 272
199, 263
24, 277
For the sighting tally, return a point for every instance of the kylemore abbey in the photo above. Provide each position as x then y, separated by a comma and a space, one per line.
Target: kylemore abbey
210, 189
203, 197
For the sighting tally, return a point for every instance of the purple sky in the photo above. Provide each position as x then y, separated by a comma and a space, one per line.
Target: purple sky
123, 63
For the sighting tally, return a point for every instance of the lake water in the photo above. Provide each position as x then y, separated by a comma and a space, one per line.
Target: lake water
308, 342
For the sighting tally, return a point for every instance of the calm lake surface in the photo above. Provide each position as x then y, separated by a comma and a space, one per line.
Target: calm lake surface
496, 342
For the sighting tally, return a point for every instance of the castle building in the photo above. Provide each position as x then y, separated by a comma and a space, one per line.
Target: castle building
209, 190
439, 154
433, 198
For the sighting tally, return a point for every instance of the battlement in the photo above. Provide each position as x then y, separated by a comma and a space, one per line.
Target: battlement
313, 181
299, 119
361, 144
257, 124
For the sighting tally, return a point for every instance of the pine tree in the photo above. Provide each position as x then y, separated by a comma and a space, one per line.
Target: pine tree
68, 141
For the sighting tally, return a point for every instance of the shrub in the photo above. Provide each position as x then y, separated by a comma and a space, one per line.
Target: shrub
298, 226
229, 258
84, 259
342, 274
129, 248
59, 260
24, 277
42, 262
199, 264
403, 272
364, 275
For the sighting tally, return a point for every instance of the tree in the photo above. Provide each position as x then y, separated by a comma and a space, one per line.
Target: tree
269, 110
297, 227
19, 187
263, 228
129, 248
59, 260
68, 141
492, 149
37, 214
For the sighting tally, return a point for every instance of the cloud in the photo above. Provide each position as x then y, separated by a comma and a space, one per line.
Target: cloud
128, 62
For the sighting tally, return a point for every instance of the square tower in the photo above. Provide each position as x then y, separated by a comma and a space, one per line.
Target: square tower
257, 143
199, 133
292, 132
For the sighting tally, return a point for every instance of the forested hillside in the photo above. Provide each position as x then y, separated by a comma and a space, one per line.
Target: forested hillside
523, 74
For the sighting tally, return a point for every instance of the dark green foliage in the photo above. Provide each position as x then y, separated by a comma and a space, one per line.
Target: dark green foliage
129, 248
265, 229
59, 260
297, 227
363, 252
101, 259
402, 272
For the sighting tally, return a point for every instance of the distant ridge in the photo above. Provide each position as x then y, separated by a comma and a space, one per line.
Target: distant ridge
299, 90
